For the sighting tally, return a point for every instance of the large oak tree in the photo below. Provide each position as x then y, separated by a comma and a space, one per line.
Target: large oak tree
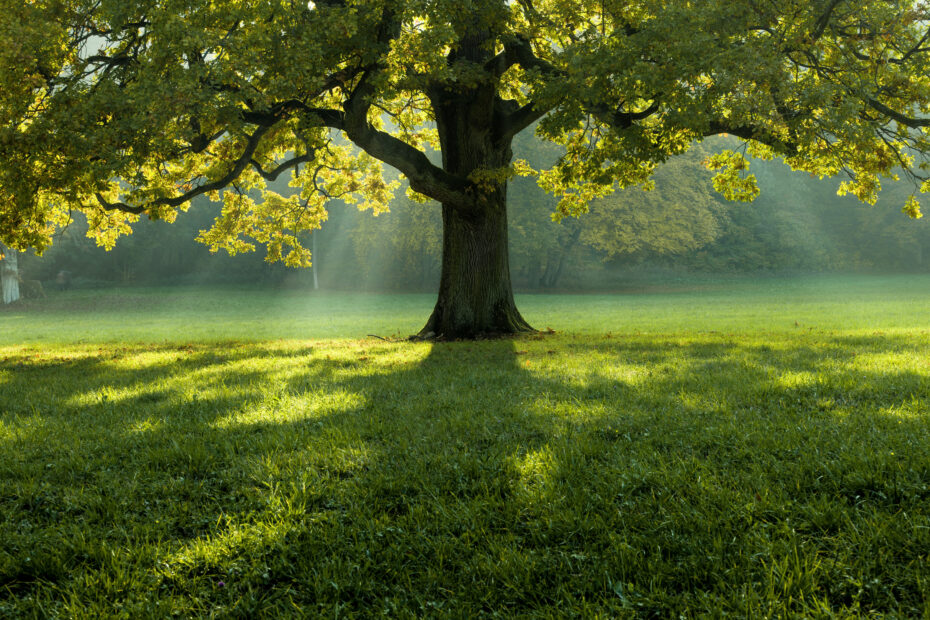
119, 108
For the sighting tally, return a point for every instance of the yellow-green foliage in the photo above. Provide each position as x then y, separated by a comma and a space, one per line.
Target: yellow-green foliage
122, 107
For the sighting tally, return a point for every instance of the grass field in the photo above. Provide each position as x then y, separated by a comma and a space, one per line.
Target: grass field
728, 448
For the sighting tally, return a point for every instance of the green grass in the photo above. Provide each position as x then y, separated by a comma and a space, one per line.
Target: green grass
847, 304
672, 452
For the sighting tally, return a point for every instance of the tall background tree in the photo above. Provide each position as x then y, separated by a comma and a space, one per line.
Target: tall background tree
120, 108
9, 275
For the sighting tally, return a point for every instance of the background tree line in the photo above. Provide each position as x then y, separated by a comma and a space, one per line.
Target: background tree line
797, 224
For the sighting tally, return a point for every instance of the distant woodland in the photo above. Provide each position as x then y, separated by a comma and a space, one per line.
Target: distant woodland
798, 224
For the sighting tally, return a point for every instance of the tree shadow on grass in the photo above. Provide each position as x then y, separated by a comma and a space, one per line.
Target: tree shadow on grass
648, 475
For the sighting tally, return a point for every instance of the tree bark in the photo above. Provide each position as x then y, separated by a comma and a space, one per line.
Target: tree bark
475, 292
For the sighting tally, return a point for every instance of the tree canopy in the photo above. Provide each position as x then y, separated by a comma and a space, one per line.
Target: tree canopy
119, 108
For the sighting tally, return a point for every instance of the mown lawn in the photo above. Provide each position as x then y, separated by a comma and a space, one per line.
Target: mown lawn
745, 448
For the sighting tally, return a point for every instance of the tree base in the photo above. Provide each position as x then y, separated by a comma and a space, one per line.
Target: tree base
457, 323
429, 336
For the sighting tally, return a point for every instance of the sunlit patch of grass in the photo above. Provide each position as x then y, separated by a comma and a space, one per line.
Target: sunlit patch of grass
283, 408
748, 472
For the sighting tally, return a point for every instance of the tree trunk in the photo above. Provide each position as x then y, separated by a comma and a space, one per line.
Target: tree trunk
553, 278
475, 292
9, 275
316, 282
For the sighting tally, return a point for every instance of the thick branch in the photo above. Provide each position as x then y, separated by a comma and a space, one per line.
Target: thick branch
912, 122
268, 118
824, 20
917, 49
625, 120
238, 167
424, 176
498, 65
274, 173
522, 117
519, 51
748, 132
